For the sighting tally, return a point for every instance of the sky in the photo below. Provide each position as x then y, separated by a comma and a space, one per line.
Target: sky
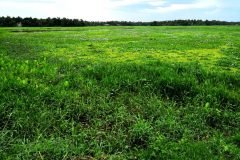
127, 10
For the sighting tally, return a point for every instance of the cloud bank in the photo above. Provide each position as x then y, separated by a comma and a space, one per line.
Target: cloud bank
134, 10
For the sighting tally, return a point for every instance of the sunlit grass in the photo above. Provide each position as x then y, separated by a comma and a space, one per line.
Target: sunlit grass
120, 93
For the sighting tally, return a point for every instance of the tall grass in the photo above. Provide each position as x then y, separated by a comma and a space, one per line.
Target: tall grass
114, 93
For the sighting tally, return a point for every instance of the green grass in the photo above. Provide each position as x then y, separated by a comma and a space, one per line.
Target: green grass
120, 93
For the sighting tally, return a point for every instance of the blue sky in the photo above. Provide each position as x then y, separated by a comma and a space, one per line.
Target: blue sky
130, 10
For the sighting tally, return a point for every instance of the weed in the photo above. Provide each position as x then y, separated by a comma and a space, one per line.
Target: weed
120, 93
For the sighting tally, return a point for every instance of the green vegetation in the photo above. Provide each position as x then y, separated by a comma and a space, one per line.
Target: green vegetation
65, 22
120, 93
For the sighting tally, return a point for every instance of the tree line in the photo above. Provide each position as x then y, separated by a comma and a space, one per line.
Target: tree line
65, 22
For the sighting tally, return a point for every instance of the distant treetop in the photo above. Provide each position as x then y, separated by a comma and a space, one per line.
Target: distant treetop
65, 22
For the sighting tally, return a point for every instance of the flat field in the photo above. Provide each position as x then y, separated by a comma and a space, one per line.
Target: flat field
120, 93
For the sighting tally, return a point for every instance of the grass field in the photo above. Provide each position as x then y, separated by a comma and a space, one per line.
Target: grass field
120, 93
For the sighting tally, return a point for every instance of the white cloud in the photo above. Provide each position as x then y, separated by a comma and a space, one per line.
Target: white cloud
89, 10
101, 10
199, 4
28, 1
119, 3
